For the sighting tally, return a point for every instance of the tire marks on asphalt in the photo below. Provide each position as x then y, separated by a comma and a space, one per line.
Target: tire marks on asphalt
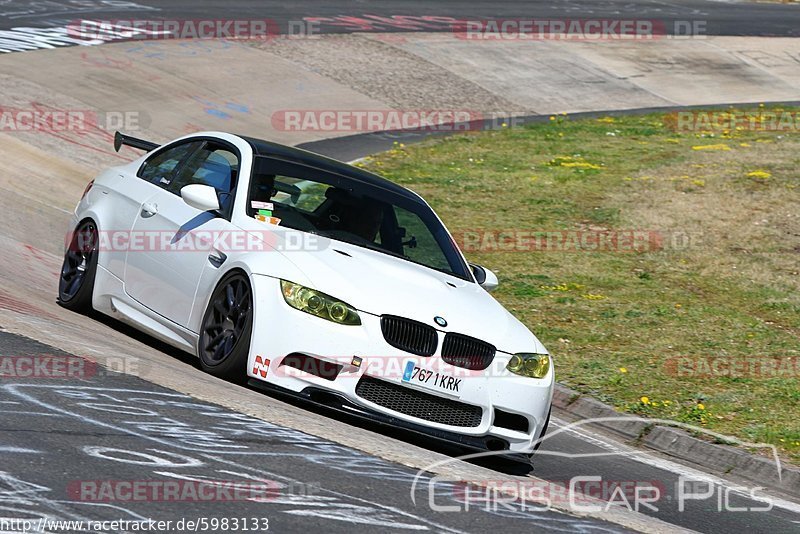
114, 428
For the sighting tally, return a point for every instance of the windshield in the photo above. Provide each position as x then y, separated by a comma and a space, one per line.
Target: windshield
314, 201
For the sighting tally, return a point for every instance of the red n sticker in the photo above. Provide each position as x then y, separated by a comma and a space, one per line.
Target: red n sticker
261, 366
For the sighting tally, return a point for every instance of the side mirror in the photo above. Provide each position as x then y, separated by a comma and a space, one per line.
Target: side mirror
202, 197
485, 278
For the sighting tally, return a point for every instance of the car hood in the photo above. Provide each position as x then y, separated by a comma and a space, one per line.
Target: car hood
381, 284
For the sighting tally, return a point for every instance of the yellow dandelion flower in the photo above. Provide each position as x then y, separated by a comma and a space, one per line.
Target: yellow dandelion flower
623, 370
759, 175
701, 406
590, 296
719, 146
580, 165
645, 400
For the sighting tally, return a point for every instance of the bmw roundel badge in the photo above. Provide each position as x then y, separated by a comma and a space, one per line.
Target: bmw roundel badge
440, 321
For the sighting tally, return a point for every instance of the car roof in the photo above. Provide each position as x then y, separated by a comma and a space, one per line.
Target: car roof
298, 155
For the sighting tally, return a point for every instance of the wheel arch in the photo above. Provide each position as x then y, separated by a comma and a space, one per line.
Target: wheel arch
74, 228
200, 307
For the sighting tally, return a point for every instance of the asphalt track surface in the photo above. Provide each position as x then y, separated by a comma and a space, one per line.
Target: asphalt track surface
75, 446
70, 447
111, 427
719, 17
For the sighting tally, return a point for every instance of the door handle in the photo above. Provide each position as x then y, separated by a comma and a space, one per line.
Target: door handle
149, 209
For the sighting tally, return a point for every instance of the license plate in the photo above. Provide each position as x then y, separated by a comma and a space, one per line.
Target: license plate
415, 375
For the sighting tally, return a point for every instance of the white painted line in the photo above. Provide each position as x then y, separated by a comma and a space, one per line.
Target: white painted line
652, 460
4, 448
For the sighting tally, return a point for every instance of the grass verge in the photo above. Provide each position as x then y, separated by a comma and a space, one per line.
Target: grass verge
694, 288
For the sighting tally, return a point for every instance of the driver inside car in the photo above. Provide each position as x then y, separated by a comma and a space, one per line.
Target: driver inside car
365, 221
360, 216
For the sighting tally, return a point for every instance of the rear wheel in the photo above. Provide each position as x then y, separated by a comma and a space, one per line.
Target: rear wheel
227, 325
76, 283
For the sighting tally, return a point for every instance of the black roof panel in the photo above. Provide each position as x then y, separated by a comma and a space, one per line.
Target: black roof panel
298, 155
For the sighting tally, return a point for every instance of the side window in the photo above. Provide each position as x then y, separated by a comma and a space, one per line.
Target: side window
213, 165
160, 169
286, 191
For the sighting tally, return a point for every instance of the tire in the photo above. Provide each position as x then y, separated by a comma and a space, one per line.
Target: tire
541, 436
76, 281
224, 343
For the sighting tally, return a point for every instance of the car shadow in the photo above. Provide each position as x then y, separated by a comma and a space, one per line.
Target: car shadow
505, 464
145, 339
518, 465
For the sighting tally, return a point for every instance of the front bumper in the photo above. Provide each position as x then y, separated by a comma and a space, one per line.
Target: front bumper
340, 404
280, 331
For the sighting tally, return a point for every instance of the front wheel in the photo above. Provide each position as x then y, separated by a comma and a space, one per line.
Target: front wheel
541, 435
76, 282
227, 325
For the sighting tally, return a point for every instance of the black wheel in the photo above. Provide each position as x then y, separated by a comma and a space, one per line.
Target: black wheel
76, 282
225, 333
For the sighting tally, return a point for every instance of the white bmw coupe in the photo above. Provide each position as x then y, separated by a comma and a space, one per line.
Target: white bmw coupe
310, 277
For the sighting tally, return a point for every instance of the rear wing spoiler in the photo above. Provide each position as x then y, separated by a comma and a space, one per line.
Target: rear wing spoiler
122, 139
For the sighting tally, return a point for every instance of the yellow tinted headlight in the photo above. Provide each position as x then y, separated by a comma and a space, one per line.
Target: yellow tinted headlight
530, 365
316, 303
516, 364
